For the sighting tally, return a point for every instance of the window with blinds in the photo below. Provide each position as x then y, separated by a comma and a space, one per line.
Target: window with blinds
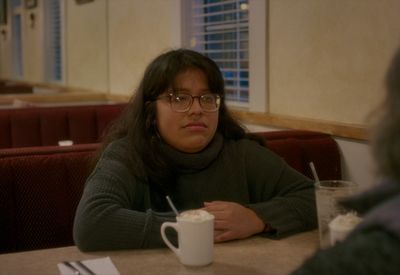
53, 41
16, 38
220, 30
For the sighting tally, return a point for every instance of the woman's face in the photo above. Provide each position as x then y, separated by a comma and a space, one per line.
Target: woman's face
189, 131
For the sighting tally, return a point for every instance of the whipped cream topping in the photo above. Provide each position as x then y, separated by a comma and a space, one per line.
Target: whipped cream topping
345, 222
197, 215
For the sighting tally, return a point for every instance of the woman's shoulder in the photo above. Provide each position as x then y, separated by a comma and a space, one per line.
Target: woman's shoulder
249, 147
117, 147
384, 215
370, 252
243, 142
249, 143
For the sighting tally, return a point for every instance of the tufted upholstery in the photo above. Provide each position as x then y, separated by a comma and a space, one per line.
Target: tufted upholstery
40, 187
44, 126
39, 194
299, 148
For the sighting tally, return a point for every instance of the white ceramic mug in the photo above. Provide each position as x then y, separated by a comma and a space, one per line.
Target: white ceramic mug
195, 230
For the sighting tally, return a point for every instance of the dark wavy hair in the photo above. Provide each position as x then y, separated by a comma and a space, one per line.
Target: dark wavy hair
386, 136
137, 121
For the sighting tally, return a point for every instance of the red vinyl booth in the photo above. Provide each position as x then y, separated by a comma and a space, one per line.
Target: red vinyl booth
45, 126
40, 187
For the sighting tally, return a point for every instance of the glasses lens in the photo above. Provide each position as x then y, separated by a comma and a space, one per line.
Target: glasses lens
210, 102
180, 102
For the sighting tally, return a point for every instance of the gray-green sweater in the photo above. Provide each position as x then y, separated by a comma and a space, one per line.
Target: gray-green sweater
116, 210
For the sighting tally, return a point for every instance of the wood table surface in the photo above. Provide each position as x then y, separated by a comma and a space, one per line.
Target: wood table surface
252, 256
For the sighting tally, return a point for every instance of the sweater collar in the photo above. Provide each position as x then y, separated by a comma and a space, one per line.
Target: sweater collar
193, 162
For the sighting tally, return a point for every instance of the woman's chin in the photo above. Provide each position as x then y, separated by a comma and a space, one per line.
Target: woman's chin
194, 147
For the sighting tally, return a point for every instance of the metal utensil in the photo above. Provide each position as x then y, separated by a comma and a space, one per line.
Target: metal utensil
73, 268
85, 267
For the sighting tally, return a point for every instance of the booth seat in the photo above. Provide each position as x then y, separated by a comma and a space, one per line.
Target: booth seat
40, 187
45, 126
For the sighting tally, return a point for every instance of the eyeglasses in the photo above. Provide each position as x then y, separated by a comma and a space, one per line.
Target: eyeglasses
182, 102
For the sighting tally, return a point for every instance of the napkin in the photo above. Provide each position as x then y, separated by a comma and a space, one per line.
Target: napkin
99, 266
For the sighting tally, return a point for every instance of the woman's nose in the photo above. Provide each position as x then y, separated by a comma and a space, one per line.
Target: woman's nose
196, 107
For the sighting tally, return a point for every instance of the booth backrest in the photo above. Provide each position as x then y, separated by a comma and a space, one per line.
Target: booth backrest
38, 198
40, 187
45, 126
299, 148
15, 88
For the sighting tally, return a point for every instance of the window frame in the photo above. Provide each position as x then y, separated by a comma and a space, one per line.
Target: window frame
258, 77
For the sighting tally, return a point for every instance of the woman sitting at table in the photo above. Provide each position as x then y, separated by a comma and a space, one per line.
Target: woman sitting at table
177, 138
373, 247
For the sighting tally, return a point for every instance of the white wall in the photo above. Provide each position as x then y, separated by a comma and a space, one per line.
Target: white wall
324, 57
32, 39
328, 57
33, 55
357, 162
86, 45
138, 32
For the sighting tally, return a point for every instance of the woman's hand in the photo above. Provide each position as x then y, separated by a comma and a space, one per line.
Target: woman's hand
233, 221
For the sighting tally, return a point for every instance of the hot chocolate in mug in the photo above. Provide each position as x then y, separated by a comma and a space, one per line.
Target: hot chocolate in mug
195, 229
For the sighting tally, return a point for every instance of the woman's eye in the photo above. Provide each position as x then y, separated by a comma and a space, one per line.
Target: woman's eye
208, 100
181, 98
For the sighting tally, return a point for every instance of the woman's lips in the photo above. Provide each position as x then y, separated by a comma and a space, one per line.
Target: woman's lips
196, 126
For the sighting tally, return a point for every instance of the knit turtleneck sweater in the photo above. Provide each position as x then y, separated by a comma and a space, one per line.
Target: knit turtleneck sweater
116, 210
187, 163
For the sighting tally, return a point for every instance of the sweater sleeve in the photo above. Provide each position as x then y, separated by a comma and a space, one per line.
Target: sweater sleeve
113, 212
280, 196
369, 252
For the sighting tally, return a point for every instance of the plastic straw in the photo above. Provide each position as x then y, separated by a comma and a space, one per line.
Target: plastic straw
172, 205
314, 172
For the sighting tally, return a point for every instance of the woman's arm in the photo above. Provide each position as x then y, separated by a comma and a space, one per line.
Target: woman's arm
281, 201
282, 197
114, 211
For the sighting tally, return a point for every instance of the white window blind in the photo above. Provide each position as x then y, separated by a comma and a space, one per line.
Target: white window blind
16, 40
53, 41
220, 29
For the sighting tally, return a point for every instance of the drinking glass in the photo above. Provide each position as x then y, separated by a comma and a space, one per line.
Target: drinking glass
327, 193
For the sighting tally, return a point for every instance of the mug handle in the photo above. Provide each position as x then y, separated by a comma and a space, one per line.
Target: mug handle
175, 226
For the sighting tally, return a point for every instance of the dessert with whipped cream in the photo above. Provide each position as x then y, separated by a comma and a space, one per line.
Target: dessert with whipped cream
341, 226
197, 215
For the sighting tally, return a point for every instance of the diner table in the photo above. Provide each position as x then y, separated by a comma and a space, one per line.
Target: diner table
253, 256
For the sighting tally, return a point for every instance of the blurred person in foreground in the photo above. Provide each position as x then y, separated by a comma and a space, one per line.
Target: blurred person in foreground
177, 138
373, 247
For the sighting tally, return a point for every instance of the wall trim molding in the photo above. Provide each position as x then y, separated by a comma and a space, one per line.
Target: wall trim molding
345, 130
353, 131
